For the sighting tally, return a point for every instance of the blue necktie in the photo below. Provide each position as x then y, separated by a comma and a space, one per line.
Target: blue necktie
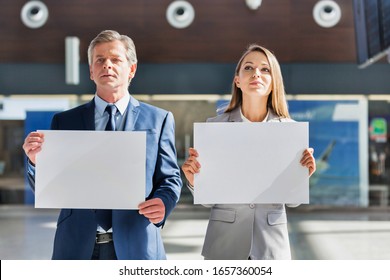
111, 110
104, 217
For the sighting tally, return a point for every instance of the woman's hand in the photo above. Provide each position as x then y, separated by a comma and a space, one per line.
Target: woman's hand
191, 166
308, 160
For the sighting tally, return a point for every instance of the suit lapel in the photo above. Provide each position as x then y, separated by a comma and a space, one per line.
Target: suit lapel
89, 115
132, 114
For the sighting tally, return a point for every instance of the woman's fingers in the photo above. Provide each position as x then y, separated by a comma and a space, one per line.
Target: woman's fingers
308, 160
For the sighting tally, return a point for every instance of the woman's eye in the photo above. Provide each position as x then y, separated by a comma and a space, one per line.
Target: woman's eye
266, 70
248, 68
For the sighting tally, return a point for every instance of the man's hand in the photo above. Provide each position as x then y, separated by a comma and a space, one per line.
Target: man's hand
33, 145
153, 209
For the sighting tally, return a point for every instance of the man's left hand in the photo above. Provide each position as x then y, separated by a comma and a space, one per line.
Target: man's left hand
153, 209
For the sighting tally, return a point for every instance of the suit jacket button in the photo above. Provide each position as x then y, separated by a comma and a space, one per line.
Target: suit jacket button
251, 206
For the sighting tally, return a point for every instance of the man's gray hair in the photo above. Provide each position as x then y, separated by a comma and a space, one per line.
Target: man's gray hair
109, 36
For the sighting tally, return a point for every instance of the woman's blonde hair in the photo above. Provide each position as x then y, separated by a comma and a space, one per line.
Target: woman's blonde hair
277, 98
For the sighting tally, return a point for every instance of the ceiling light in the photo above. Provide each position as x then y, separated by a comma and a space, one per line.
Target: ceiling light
180, 14
253, 4
34, 14
327, 13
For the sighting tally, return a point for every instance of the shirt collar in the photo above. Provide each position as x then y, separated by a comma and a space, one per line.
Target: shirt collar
121, 104
244, 119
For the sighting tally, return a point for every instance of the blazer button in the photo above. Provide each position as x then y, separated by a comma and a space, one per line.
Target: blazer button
251, 206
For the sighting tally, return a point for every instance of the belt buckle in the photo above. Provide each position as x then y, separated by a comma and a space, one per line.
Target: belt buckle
103, 238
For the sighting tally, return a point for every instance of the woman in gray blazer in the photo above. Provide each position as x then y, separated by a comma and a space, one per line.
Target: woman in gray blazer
250, 231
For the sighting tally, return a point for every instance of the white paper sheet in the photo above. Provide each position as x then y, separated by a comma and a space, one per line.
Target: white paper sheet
251, 163
91, 169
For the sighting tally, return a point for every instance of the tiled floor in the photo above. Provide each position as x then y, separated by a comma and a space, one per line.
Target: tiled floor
326, 234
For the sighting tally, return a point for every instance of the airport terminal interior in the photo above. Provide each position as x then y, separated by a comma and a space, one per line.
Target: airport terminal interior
335, 80
336, 225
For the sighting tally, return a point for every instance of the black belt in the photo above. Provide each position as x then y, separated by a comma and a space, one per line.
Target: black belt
102, 238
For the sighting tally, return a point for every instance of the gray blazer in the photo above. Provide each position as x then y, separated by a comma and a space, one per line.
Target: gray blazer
234, 228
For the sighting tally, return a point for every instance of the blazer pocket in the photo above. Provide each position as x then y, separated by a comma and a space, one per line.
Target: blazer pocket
223, 215
277, 218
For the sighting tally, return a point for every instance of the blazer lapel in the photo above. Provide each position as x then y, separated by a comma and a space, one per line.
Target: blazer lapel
272, 117
132, 114
235, 116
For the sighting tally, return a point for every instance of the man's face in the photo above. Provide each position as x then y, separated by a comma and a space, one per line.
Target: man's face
110, 68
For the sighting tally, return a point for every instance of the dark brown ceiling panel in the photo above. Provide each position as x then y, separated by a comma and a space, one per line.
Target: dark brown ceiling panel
219, 33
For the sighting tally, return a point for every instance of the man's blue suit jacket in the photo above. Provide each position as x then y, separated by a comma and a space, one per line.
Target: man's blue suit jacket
134, 236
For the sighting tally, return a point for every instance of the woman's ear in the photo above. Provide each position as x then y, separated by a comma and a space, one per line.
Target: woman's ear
237, 81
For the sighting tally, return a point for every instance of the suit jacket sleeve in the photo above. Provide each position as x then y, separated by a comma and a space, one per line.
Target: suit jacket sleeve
167, 180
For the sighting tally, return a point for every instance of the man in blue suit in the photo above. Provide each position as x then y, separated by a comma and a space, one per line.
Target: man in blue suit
122, 234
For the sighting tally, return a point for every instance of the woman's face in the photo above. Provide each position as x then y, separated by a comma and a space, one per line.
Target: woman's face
254, 77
